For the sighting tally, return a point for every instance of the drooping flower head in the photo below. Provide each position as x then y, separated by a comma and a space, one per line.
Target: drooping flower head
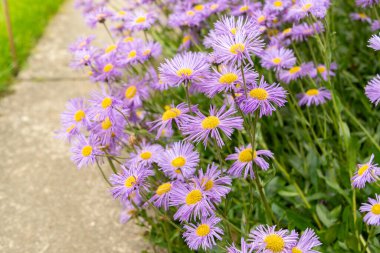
372, 90
262, 97
243, 161
179, 161
314, 97
191, 201
200, 127
372, 208
184, 68
267, 239
366, 173
203, 234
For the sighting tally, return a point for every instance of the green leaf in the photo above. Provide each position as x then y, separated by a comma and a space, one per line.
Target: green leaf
324, 215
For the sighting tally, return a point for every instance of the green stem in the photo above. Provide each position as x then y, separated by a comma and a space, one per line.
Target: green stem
104, 176
112, 165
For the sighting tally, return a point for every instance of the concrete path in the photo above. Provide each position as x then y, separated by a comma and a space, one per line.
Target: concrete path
46, 204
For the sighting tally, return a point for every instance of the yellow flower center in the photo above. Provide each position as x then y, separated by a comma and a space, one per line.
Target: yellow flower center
214, 6
246, 155
171, 114
86, 150
108, 68
147, 52
312, 92
132, 54
321, 69
184, 72
294, 70
199, 7
110, 48
130, 181
129, 39
146, 155
178, 171
296, 250
376, 209
79, 115
68, 130
121, 13
179, 162
362, 15
287, 30
259, 93
277, 3
244, 8
307, 6
277, 60
210, 122
228, 78
209, 184
140, 20
164, 188
237, 48
261, 19
190, 13
363, 169
186, 39
202, 230
107, 102
274, 243
233, 30
106, 123
130, 92
193, 197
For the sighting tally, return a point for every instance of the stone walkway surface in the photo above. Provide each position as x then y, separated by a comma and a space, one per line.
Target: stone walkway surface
46, 204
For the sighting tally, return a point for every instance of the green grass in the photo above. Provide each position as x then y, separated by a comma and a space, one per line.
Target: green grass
28, 20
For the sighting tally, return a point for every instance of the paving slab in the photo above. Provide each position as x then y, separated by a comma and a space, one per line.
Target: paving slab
46, 204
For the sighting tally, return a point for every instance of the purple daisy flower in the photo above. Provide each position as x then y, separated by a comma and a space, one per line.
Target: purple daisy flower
375, 25
295, 72
322, 71
203, 234
366, 3
145, 155
162, 195
200, 128
317, 8
134, 93
178, 114
278, 5
85, 151
82, 43
230, 25
192, 202
184, 68
243, 161
366, 173
226, 79
104, 105
238, 47
129, 181
128, 212
140, 20
374, 42
179, 161
307, 242
151, 50
106, 68
109, 129
132, 53
76, 114
314, 97
267, 240
277, 58
262, 97
373, 211
244, 247
245, 8
213, 184
372, 90
361, 16
302, 31
99, 15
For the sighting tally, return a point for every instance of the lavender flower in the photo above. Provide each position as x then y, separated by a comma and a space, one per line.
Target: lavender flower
162, 195
374, 42
366, 173
262, 97
200, 128
243, 161
277, 58
85, 151
373, 211
307, 242
179, 161
295, 72
372, 90
366, 3
145, 155
245, 247
314, 97
203, 234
